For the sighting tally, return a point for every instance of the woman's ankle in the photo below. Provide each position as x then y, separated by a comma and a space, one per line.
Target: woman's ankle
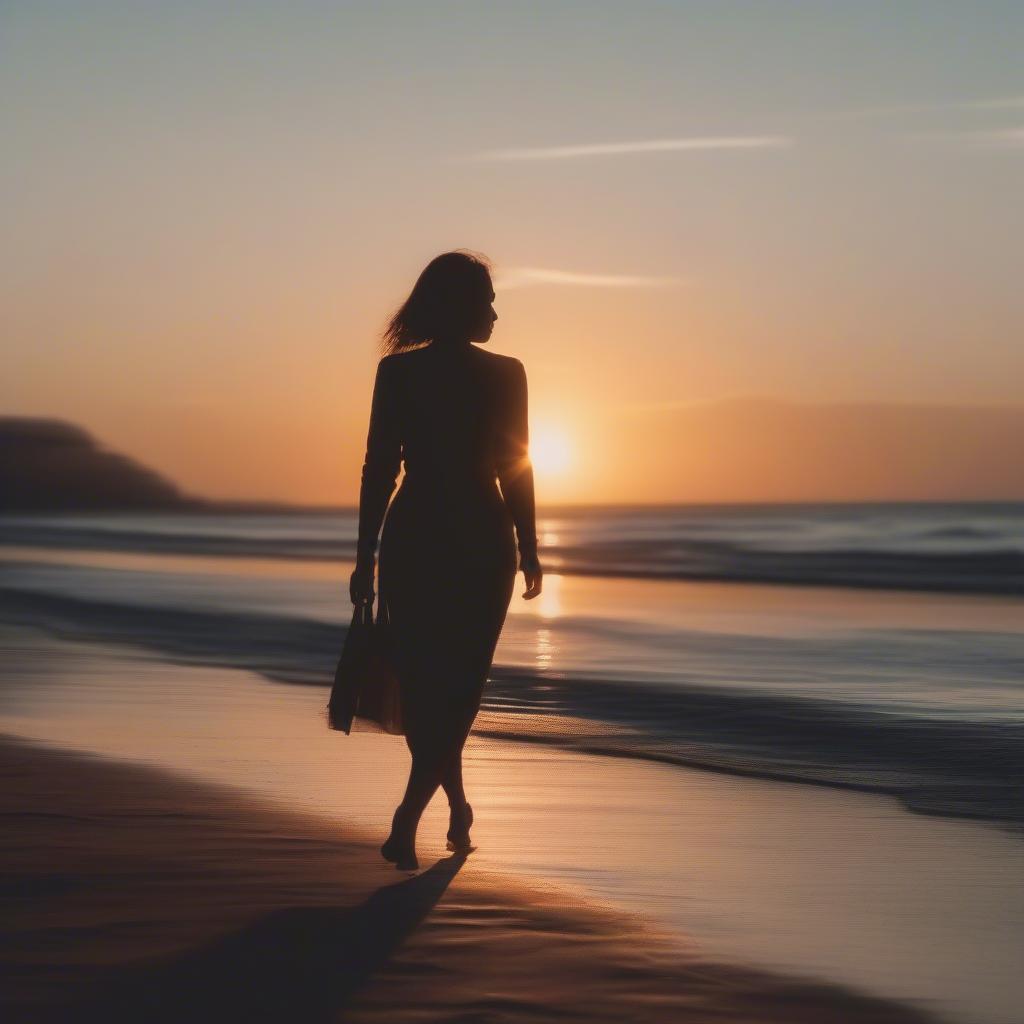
403, 820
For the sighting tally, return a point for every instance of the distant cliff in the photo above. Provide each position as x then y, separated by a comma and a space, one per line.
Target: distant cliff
48, 465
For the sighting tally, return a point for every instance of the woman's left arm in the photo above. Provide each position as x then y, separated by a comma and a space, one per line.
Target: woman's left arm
380, 472
515, 475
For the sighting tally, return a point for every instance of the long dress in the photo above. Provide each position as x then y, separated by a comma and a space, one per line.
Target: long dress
456, 416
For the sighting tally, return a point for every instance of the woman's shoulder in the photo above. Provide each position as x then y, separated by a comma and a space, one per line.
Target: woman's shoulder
401, 356
394, 362
508, 365
497, 363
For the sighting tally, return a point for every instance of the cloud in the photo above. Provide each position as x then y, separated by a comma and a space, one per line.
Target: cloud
522, 277
998, 103
901, 109
692, 144
1001, 138
1004, 138
1008, 138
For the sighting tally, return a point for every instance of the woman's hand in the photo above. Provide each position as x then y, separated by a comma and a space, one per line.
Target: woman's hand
534, 576
360, 587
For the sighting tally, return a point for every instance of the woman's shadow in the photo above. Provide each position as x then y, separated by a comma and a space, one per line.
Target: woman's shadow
300, 963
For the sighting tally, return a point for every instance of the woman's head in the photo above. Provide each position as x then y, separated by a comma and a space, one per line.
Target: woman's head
450, 302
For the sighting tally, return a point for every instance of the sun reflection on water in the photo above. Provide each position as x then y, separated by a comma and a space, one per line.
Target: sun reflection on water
549, 604
545, 649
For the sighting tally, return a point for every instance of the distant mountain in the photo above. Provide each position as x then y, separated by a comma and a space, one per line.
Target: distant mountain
49, 465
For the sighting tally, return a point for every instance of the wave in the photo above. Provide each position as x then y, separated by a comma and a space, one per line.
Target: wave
972, 549
998, 572
935, 763
69, 535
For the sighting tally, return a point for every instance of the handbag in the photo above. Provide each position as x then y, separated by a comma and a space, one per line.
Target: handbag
365, 694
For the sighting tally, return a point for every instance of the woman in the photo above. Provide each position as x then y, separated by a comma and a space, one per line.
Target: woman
457, 416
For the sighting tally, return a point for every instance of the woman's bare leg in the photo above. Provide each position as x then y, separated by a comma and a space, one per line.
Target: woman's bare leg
451, 781
436, 761
424, 777
451, 775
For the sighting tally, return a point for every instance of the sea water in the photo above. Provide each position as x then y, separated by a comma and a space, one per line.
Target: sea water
869, 646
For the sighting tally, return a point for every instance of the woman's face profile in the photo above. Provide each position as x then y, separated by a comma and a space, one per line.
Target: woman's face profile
487, 318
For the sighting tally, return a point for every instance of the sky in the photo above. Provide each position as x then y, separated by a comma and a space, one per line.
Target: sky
758, 251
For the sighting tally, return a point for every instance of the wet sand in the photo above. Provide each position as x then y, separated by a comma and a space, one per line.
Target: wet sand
762, 879
133, 894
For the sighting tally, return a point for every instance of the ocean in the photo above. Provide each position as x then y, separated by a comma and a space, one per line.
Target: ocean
876, 647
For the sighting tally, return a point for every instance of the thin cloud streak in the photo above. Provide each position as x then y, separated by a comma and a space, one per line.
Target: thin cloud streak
524, 277
903, 109
694, 144
1002, 138
998, 103
1009, 138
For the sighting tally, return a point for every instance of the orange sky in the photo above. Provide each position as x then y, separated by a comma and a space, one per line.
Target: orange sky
737, 263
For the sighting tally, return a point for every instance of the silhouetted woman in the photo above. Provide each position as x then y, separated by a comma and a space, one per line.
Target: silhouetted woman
456, 415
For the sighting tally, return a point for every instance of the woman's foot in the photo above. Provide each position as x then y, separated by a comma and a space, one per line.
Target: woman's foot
460, 822
400, 846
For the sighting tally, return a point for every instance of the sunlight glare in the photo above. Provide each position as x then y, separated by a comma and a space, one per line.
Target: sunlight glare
550, 450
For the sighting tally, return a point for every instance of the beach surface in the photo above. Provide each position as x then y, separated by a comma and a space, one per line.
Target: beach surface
134, 894
602, 889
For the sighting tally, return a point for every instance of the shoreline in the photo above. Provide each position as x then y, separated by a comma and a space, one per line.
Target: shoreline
1013, 822
273, 646
825, 885
137, 894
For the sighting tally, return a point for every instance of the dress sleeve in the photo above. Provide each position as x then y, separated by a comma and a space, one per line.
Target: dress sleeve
381, 465
515, 472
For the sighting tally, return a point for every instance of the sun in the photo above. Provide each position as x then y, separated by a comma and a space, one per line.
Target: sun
550, 450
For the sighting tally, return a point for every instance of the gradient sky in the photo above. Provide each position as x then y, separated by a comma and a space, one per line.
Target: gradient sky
715, 224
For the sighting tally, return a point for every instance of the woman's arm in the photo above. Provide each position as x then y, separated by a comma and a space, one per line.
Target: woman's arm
515, 472
381, 465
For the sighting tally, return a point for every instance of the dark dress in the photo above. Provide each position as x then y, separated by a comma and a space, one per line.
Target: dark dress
457, 417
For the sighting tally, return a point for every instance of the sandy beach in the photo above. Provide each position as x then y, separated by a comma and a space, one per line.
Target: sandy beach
215, 825
132, 894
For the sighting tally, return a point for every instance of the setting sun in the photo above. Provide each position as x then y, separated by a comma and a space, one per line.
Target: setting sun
550, 450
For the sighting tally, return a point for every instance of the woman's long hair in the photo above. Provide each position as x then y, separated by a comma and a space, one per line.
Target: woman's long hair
447, 301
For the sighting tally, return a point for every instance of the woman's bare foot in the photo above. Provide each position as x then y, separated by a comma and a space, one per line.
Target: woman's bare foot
460, 822
400, 846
